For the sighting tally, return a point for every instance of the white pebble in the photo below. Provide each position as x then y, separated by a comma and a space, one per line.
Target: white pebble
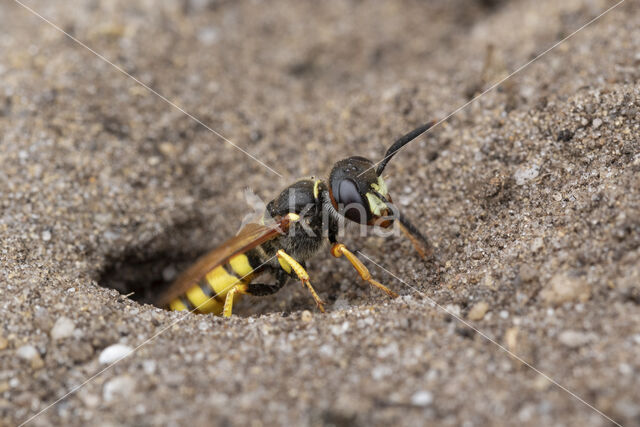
114, 352
208, 36
453, 310
422, 398
149, 366
597, 123
575, 339
203, 326
63, 328
526, 173
121, 386
381, 371
537, 244
340, 329
46, 235
625, 369
27, 352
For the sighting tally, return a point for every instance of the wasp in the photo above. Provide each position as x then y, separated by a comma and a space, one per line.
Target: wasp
294, 226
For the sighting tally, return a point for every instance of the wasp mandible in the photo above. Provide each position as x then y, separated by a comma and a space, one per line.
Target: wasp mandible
293, 228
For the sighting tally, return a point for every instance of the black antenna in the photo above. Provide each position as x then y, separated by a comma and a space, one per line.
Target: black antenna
404, 140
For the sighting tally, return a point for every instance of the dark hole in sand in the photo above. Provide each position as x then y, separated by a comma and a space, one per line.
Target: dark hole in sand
145, 271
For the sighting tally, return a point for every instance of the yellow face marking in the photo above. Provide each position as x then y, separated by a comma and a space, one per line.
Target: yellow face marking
220, 281
177, 305
203, 303
376, 205
240, 265
380, 186
315, 188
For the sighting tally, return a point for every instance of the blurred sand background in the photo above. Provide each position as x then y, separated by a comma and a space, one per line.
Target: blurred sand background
531, 196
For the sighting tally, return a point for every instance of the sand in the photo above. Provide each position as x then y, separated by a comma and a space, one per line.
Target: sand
530, 195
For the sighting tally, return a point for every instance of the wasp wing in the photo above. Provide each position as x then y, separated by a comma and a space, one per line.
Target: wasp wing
249, 237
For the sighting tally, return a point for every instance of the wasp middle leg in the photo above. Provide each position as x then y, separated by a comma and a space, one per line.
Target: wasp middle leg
288, 263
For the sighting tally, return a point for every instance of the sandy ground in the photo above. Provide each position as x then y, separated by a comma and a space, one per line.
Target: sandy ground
531, 196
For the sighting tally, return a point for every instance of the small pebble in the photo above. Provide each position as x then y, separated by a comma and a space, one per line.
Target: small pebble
564, 288
625, 369
46, 235
511, 338
306, 316
208, 36
340, 329
574, 339
628, 408
149, 366
597, 123
121, 386
113, 353
89, 399
537, 244
422, 398
3, 343
489, 282
526, 173
29, 353
63, 328
203, 326
527, 273
478, 311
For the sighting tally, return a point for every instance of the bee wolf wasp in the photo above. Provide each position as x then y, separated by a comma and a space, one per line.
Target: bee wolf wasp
301, 217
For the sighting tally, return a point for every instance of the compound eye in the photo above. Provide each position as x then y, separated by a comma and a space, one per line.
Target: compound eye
348, 194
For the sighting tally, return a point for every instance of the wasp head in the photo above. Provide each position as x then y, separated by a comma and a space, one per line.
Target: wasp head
359, 194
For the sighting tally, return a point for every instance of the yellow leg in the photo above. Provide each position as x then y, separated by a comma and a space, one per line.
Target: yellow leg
302, 275
228, 301
338, 249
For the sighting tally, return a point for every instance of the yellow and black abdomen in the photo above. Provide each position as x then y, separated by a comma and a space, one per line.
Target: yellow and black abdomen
208, 295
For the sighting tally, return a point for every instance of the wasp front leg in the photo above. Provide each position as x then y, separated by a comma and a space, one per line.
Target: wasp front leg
338, 249
289, 264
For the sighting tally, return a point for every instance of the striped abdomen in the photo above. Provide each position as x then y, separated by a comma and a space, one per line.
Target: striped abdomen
209, 293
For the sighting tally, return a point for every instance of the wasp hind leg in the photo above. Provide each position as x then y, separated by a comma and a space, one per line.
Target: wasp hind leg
240, 288
264, 289
289, 264
338, 249
255, 289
